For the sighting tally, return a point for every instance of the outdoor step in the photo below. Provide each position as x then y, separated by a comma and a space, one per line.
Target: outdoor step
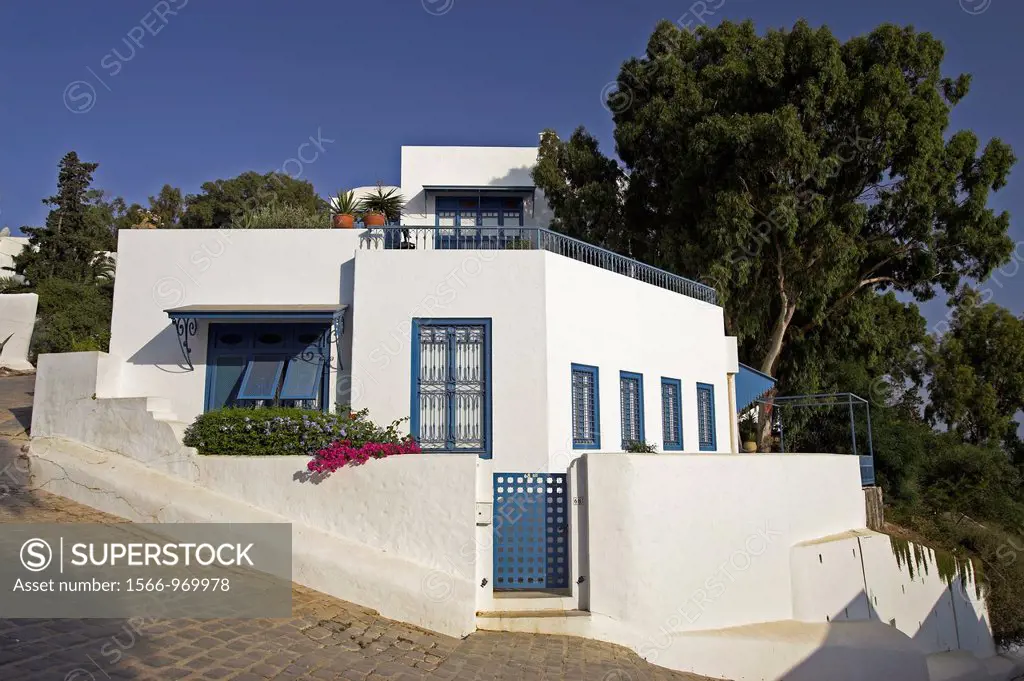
510, 614
179, 428
164, 416
158, 404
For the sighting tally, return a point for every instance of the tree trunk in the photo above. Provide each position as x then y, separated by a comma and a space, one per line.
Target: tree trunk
768, 366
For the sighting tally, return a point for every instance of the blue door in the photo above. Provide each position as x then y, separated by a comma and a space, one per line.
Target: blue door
531, 531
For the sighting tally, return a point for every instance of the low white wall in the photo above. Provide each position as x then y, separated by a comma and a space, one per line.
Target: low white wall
918, 600
688, 542
17, 320
867, 575
420, 507
407, 518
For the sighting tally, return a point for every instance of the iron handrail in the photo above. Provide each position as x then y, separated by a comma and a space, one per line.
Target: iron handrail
489, 237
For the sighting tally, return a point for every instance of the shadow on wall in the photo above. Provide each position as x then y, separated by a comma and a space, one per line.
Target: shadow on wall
536, 212
539, 213
344, 390
880, 650
163, 351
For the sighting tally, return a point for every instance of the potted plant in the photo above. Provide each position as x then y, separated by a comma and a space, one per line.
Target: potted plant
382, 206
344, 209
748, 433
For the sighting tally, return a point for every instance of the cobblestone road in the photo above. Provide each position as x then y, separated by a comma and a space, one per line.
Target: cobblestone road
324, 639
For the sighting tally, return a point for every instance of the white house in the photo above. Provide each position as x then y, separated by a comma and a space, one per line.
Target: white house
559, 347
526, 362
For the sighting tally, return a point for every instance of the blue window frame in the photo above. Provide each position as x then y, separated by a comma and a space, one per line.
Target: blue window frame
450, 410
262, 365
586, 408
672, 414
477, 222
706, 417
631, 401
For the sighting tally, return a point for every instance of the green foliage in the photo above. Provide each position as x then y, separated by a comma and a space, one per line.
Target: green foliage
223, 202
970, 480
388, 203
977, 372
796, 173
748, 428
12, 285
275, 431
282, 216
345, 203
518, 244
77, 230
73, 316
638, 447
168, 206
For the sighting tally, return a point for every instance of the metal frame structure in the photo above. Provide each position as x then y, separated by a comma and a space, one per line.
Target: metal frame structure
849, 400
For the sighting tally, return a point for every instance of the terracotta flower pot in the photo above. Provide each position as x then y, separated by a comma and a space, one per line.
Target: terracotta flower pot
344, 221
750, 446
374, 220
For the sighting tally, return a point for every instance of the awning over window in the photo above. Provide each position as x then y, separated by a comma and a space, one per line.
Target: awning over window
479, 189
257, 313
751, 385
186, 319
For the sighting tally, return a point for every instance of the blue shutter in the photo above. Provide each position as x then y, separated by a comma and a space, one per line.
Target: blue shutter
706, 417
586, 415
672, 414
631, 400
224, 377
303, 376
262, 376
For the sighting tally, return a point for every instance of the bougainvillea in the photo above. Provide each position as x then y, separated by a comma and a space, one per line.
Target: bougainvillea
343, 453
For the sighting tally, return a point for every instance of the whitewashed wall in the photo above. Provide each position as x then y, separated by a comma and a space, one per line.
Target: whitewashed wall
547, 312
468, 166
161, 269
10, 246
393, 287
615, 323
383, 535
17, 321
867, 575
683, 542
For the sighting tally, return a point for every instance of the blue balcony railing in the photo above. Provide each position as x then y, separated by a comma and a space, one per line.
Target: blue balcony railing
530, 238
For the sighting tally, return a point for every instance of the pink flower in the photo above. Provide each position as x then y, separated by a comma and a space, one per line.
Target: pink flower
340, 454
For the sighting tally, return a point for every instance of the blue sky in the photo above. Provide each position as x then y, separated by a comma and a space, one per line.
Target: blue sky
217, 88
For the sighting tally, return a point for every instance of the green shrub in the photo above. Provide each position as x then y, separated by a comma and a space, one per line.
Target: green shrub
73, 316
637, 447
279, 431
283, 216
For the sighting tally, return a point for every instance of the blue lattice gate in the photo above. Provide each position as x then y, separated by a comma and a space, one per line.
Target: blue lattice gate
531, 531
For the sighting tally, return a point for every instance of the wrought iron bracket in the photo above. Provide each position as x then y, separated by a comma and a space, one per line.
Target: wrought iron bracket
186, 327
338, 332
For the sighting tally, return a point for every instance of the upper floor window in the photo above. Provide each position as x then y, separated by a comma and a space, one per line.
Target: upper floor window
672, 414
586, 415
706, 417
631, 398
479, 212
